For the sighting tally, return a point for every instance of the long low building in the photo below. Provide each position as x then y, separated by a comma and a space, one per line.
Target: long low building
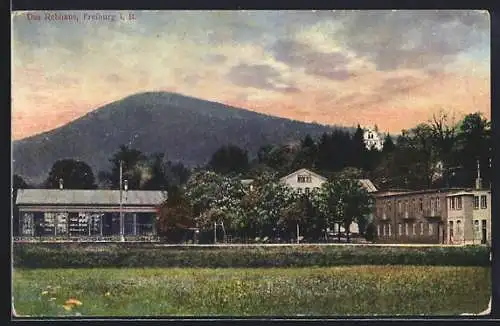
446, 216
69, 213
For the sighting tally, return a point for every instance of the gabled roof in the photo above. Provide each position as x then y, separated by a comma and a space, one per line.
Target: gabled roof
368, 185
89, 197
303, 171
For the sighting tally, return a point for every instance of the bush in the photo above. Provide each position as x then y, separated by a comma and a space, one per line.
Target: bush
30, 255
371, 232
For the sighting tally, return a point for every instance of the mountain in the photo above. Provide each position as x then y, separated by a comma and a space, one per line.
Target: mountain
186, 129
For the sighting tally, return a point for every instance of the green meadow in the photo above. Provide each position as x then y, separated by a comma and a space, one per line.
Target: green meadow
310, 291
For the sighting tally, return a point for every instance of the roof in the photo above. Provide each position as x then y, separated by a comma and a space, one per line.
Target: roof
460, 193
368, 185
89, 197
303, 171
417, 192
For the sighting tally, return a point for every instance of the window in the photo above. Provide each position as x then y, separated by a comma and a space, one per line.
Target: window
476, 202
389, 230
308, 190
400, 206
438, 203
421, 228
431, 229
407, 232
383, 230
299, 190
459, 229
452, 203
451, 230
378, 230
483, 202
421, 205
406, 207
413, 229
459, 203
304, 179
400, 231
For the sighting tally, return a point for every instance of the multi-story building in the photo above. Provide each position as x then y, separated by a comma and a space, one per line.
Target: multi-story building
447, 216
411, 216
469, 217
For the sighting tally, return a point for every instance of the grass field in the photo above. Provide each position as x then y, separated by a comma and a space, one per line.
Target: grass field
353, 290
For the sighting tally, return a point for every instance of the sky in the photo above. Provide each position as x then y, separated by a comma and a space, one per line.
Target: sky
393, 69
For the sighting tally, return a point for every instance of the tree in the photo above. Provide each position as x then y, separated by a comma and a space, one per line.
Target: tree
178, 174
279, 158
371, 232
270, 201
359, 150
75, 175
474, 143
158, 179
175, 216
306, 157
388, 146
334, 151
300, 212
343, 202
135, 168
215, 198
229, 160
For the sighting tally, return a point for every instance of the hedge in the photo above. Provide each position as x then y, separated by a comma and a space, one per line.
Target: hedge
31, 255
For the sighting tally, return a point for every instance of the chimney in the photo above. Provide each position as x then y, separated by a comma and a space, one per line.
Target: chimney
61, 184
478, 179
125, 184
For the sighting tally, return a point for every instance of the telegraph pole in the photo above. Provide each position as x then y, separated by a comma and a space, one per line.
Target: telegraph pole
122, 235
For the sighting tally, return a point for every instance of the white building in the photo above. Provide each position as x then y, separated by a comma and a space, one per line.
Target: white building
305, 181
373, 139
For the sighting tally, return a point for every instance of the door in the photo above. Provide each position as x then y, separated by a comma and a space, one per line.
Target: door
483, 231
450, 232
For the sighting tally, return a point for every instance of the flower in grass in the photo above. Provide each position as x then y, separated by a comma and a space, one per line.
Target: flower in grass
107, 294
73, 302
68, 307
45, 292
52, 299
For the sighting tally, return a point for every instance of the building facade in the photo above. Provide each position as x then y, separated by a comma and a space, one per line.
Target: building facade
444, 216
304, 181
373, 139
96, 214
469, 217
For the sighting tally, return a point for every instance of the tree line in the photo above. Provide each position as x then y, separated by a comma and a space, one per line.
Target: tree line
437, 153
268, 210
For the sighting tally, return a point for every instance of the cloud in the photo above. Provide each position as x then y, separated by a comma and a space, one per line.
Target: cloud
216, 58
412, 39
259, 76
331, 65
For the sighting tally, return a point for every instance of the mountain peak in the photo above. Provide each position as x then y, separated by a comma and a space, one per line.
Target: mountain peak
185, 128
